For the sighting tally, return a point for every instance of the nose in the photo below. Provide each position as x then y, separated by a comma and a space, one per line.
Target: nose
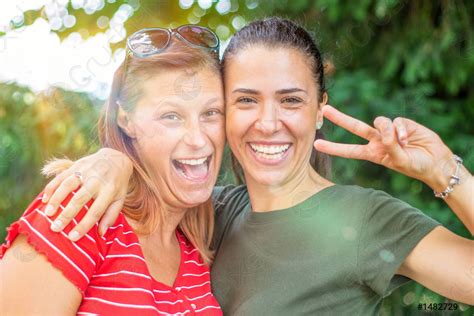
194, 136
268, 121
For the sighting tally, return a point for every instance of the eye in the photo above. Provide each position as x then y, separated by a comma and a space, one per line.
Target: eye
246, 100
171, 116
212, 113
292, 100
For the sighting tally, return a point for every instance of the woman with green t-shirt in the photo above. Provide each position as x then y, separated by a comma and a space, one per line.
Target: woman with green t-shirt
291, 242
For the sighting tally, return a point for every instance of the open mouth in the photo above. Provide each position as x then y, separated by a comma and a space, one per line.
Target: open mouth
270, 152
196, 170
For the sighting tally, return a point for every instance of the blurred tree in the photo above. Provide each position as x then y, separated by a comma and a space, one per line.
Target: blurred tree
34, 128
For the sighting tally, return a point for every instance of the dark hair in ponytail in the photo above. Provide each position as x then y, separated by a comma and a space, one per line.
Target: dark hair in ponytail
274, 33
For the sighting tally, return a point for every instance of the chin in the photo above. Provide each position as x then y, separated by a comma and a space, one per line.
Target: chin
196, 197
268, 178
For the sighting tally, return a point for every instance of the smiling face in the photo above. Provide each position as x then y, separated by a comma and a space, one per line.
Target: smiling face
177, 127
271, 113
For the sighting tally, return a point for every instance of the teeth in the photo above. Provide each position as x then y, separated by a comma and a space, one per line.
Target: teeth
269, 150
270, 156
193, 162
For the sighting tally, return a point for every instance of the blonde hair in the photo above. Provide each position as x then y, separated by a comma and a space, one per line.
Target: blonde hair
143, 202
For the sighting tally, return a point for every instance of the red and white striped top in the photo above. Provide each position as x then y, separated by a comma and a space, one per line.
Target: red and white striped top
111, 272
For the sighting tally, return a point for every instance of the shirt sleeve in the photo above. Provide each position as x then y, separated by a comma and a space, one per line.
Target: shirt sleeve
390, 230
76, 260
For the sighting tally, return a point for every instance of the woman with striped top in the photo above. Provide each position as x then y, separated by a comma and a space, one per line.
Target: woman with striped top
155, 259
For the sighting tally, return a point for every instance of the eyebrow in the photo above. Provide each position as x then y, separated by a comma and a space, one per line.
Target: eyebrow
213, 100
290, 90
246, 91
182, 104
281, 91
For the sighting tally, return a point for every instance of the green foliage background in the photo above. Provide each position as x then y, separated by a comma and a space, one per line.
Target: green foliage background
394, 58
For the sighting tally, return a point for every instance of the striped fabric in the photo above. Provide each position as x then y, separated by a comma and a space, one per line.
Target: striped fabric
111, 272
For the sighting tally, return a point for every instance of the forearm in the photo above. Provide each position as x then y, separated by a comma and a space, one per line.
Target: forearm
461, 200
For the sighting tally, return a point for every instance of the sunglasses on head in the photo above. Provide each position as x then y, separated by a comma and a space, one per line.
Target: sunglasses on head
153, 41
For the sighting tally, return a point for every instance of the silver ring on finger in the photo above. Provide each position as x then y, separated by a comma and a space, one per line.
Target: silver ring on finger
78, 175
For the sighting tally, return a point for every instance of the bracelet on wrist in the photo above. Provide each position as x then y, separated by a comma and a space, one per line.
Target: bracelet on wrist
453, 181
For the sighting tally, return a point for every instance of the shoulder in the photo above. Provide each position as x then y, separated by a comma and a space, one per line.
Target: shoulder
352, 190
120, 233
367, 205
223, 194
346, 197
229, 199
356, 195
229, 202
34, 221
77, 260
377, 201
23, 261
385, 215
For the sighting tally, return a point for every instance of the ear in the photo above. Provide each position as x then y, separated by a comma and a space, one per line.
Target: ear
325, 99
319, 115
125, 123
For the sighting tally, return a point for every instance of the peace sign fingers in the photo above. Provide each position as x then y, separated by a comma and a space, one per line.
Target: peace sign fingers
349, 123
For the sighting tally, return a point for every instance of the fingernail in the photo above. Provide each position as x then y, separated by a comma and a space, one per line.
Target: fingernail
45, 198
403, 134
49, 210
56, 226
73, 235
102, 230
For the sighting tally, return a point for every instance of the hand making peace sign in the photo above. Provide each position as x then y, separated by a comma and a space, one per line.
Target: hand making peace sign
402, 145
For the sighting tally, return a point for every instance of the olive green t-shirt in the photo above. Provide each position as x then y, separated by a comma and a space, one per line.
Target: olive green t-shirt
336, 253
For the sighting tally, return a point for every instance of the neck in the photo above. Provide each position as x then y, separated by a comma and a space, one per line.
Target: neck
265, 198
165, 233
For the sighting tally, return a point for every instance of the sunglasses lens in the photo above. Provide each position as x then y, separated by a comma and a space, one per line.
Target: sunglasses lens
198, 36
149, 41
